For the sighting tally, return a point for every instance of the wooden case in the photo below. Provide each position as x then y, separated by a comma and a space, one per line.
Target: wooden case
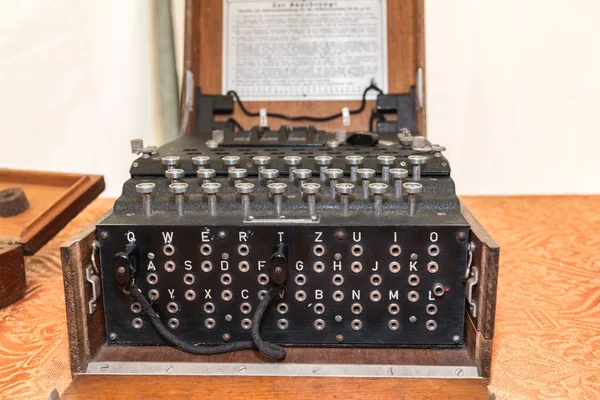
101, 370
54, 199
98, 366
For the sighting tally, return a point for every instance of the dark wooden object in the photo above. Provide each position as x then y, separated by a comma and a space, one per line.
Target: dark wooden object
406, 52
54, 199
12, 275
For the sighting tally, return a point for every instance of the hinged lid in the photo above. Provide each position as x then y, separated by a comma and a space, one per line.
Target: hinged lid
54, 199
406, 61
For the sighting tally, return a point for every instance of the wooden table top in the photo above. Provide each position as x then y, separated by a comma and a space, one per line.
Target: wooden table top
547, 342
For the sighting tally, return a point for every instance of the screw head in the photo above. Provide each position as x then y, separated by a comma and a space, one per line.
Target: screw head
413, 319
206, 173
311, 188
399, 173
378, 188
339, 338
417, 160
334, 173
277, 187
145, 187
292, 160
104, 235
231, 160
174, 173
201, 160
261, 160
112, 336
237, 173
412, 187
365, 173
456, 338
269, 173
340, 235
344, 188
323, 160
244, 188
354, 160
386, 160
170, 161
121, 270
302, 173
226, 337
178, 188
211, 187
461, 236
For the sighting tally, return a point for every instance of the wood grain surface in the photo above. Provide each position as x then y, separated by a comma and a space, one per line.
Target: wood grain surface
219, 387
546, 341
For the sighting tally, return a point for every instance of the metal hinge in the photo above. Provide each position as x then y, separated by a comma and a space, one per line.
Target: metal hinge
472, 277
91, 275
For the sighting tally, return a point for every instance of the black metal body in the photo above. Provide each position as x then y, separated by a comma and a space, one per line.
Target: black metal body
437, 223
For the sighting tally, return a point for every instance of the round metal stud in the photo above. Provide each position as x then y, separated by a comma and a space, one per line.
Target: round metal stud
334, 173
378, 188
178, 188
292, 160
386, 160
277, 187
311, 188
206, 173
398, 173
244, 188
211, 187
344, 188
145, 187
412, 187
269, 173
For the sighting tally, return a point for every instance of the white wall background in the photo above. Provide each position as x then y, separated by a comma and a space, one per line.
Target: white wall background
76, 84
513, 89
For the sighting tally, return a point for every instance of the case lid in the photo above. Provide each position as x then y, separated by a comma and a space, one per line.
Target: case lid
54, 199
203, 55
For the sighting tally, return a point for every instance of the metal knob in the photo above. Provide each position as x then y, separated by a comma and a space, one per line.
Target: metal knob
417, 161
174, 174
311, 190
292, 162
206, 174
323, 162
244, 190
398, 174
211, 189
354, 162
237, 175
179, 189
170, 161
365, 175
378, 190
412, 188
344, 190
231, 162
386, 163
146, 189
269, 176
302, 175
333, 174
261, 163
201, 161
276, 190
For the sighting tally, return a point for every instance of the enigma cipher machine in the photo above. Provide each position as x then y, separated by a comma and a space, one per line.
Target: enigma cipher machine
266, 238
